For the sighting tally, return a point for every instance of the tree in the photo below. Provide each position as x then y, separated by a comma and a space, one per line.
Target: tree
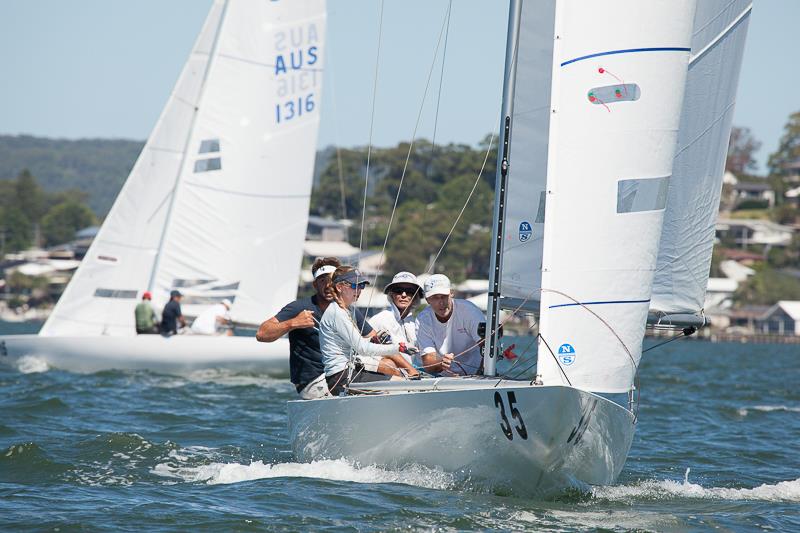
62, 221
787, 156
741, 148
29, 196
16, 230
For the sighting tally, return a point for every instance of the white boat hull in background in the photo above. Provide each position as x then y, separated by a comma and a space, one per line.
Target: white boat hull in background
560, 437
172, 355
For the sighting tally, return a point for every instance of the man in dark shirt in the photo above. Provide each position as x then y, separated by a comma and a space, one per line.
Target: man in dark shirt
172, 314
300, 319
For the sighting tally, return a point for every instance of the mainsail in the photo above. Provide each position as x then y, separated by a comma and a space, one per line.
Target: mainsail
687, 238
613, 82
217, 202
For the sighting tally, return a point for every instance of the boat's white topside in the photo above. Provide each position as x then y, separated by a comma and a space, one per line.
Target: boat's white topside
176, 354
499, 433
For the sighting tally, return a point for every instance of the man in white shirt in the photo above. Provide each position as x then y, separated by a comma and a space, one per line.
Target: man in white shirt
404, 293
214, 321
447, 331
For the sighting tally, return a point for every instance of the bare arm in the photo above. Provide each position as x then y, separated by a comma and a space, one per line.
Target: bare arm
434, 363
271, 330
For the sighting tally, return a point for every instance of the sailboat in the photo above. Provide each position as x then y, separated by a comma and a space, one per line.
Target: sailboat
615, 124
216, 206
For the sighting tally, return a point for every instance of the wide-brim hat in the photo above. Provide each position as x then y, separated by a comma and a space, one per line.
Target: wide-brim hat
403, 278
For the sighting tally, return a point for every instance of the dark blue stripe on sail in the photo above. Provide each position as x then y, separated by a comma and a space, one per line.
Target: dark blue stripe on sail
628, 51
602, 303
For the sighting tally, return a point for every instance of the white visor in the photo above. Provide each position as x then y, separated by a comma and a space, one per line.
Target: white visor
325, 269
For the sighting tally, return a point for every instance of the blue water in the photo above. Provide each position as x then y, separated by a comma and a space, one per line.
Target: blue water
717, 447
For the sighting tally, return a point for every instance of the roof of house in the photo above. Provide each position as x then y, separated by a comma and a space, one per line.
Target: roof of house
753, 187
791, 307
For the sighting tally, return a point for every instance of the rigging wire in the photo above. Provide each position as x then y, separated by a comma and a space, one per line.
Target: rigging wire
439, 93
371, 130
408, 154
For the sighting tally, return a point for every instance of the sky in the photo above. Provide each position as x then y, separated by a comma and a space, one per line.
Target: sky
104, 68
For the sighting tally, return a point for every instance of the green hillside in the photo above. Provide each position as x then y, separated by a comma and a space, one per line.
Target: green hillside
96, 166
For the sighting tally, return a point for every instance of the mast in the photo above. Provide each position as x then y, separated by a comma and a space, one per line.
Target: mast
501, 178
212, 53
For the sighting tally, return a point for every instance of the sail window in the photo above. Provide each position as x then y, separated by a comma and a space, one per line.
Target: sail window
207, 165
540, 211
208, 146
609, 94
636, 195
115, 293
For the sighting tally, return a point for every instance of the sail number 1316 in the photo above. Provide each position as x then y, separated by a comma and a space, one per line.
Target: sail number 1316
294, 108
505, 424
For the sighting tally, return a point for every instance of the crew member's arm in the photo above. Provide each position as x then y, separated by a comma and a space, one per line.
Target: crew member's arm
272, 329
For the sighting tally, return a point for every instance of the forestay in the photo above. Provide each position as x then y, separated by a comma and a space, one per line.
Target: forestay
617, 87
217, 202
687, 238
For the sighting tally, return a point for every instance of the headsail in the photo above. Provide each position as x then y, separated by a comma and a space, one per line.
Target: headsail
525, 200
687, 238
615, 92
217, 202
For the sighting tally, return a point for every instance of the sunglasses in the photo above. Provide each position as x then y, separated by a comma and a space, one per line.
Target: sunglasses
404, 290
359, 286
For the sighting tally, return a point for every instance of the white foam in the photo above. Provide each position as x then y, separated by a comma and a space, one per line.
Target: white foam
744, 411
231, 378
30, 364
784, 491
338, 470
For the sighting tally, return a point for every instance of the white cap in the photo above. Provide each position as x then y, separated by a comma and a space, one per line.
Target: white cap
324, 269
403, 277
437, 284
227, 303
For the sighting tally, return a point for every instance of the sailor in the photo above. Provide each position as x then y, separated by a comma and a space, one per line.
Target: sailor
340, 337
172, 315
397, 320
299, 319
146, 320
216, 320
447, 331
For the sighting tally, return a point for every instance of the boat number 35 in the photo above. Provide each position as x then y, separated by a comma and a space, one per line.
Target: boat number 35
505, 425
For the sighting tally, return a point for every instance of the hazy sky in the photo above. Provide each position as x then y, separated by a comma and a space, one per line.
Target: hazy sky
104, 68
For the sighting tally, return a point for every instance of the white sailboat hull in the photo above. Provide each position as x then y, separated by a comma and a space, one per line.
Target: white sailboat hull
560, 436
172, 355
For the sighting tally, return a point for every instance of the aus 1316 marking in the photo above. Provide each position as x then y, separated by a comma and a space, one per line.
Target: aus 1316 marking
505, 425
294, 108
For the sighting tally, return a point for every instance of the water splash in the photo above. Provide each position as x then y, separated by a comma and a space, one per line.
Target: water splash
335, 470
30, 364
783, 491
744, 411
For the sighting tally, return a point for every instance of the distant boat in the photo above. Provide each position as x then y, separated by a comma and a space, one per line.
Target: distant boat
216, 205
603, 209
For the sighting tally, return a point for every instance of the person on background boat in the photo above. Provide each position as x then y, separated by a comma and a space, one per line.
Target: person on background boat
447, 331
216, 320
172, 315
146, 320
340, 336
397, 321
299, 319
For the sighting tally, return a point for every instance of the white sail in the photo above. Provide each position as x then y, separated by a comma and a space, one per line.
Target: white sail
217, 202
524, 224
617, 89
687, 238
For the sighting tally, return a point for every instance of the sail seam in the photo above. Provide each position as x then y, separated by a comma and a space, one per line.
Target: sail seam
601, 303
248, 194
628, 51
262, 64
